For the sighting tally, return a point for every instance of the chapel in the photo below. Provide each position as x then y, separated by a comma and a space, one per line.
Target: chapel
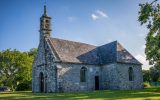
67, 66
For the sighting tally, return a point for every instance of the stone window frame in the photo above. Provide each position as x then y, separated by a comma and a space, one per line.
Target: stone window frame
83, 74
130, 74
47, 21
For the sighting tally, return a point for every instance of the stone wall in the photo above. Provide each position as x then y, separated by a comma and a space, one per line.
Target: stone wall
116, 76
69, 77
110, 76
44, 62
124, 83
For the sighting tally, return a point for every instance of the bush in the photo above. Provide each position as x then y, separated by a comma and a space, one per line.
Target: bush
146, 84
24, 86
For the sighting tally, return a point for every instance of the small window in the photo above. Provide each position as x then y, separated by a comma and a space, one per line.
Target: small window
41, 21
130, 72
47, 21
83, 74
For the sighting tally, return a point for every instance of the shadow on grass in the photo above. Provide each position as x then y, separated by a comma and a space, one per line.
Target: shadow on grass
145, 94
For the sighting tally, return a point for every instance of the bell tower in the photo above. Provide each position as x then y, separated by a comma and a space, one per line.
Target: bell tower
45, 24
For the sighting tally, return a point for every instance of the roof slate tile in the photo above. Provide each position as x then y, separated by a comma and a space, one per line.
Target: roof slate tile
76, 52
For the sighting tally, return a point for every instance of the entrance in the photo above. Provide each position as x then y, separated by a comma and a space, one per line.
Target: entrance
41, 85
96, 82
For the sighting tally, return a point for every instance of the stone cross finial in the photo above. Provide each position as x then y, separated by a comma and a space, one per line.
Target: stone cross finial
45, 9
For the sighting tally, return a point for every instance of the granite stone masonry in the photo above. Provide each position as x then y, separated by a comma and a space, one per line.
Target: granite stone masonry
67, 66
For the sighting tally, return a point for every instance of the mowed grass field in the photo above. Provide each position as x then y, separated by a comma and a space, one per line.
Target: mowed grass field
152, 93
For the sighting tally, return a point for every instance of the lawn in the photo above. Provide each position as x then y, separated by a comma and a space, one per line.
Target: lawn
144, 94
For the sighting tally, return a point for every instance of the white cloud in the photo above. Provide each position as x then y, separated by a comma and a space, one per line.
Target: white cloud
142, 35
101, 13
94, 17
72, 18
109, 40
143, 47
98, 14
142, 59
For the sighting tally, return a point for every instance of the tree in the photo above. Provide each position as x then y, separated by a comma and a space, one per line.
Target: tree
32, 52
15, 68
150, 14
154, 74
26, 84
146, 75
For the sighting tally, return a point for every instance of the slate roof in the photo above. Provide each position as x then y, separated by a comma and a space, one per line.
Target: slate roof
76, 52
115, 52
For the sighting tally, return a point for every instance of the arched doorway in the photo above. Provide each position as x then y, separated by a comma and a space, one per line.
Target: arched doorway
41, 83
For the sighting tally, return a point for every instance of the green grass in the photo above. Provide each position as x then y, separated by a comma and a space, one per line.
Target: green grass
152, 93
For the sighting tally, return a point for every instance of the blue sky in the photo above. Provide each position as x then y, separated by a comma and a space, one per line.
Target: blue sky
94, 22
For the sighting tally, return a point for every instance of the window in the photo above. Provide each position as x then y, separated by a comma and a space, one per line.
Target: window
46, 25
130, 72
47, 21
83, 74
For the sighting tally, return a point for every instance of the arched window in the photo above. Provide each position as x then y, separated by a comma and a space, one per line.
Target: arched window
130, 72
83, 74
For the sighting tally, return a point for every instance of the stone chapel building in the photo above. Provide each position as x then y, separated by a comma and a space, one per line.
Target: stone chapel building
64, 66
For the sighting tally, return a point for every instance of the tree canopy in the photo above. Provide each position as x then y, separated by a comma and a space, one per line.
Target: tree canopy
16, 67
149, 15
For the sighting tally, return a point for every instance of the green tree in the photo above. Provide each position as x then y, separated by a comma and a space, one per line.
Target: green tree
26, 83
149, 15
154, 74
146, 75
32, 52
15, 68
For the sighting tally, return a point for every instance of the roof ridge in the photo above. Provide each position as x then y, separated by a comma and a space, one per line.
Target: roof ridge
74, 42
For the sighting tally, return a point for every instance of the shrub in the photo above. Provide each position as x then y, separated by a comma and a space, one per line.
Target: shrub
146, 84
24, 86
